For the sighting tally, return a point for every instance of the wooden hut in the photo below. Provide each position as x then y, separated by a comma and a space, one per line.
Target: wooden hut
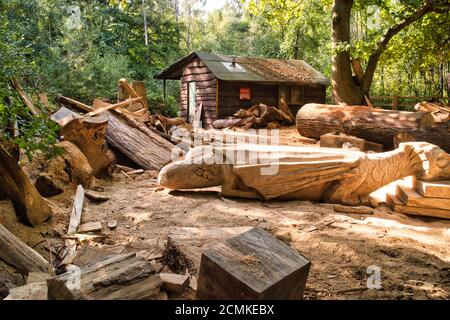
223, 84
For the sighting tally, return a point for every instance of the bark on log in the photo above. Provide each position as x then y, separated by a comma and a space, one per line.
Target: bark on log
137, 142
119, 277
376, 125
18, 255
30, 207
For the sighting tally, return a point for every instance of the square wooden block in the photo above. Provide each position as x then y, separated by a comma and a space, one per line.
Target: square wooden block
252, 266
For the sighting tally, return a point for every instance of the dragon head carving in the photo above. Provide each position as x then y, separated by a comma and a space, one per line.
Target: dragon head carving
197, 170
435, 161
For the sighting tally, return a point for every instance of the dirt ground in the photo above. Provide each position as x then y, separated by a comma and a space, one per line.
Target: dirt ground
413, 253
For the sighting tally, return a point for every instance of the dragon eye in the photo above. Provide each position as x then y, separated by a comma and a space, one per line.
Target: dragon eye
443, 161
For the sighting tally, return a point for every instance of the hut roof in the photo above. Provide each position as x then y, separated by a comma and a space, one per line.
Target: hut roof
249, 69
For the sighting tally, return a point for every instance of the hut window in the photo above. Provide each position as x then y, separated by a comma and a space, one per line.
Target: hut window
291, 94
296, 95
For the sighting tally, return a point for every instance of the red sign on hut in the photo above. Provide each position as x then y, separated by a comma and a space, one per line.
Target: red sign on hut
245, 94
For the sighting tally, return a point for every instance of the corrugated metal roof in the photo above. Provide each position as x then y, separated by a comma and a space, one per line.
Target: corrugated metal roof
250, 69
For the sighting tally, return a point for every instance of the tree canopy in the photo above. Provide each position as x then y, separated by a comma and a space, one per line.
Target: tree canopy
81, 48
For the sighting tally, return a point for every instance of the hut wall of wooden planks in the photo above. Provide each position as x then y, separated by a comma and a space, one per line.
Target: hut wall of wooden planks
206, 91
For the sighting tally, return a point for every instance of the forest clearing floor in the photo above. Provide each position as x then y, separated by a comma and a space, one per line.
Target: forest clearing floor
413, 254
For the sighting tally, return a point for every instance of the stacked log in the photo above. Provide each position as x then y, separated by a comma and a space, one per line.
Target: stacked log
376, 125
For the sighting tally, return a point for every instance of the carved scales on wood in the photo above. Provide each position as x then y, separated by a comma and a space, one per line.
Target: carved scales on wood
303, 173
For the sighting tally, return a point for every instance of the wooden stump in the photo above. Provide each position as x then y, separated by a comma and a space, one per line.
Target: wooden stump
30, 207
255, 266
118, 277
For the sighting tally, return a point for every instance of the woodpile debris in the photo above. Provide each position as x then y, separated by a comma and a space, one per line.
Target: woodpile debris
117, 277
258, 116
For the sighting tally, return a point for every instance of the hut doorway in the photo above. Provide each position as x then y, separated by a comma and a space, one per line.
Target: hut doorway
192, 101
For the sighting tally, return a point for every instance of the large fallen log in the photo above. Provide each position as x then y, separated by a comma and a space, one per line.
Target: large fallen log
30, 207
120, 277
377, 125
20, 256
137, 142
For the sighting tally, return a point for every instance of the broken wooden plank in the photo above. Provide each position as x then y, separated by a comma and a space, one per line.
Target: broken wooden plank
140, 87
435, 189
133, 94
76, 104
88, 254
413, 199
90, 227
20, 256
95, 196
174, 282
254, 265
136, 172
397, 205
113, 106
353, 210
27, 101
77, 209
118, 277
145, 148
32, 291
124, 168
378, 197
331, 140
64, 116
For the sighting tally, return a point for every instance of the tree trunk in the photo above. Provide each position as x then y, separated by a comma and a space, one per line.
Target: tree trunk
18, 255
30, 207
345, 90
144, 14
376, 125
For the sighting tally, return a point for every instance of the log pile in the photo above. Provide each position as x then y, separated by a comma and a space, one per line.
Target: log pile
258, 116
376, 125
123, 126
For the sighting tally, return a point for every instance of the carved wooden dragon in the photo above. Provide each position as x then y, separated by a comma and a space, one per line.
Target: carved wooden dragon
303, 173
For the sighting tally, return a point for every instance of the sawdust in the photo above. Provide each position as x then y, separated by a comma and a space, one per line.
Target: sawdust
413, 254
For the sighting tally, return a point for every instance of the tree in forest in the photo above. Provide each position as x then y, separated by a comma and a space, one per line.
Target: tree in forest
347, 89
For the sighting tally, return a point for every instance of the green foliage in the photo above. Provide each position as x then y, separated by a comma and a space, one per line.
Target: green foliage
81, 48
